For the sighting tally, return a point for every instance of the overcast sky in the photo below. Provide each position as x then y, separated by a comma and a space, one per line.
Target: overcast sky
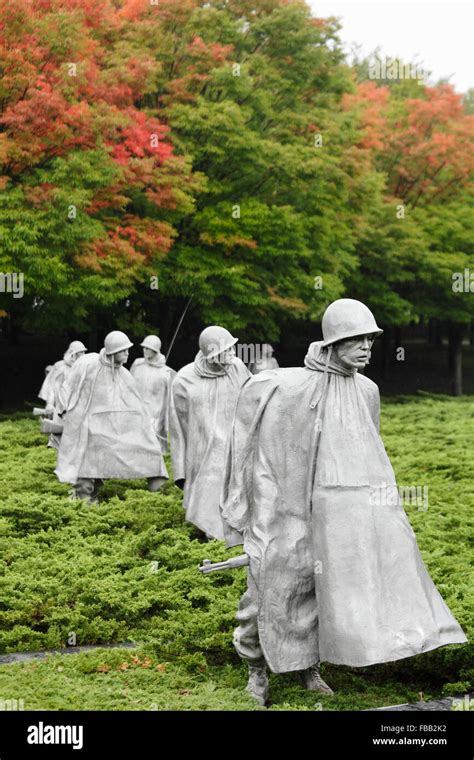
436, 33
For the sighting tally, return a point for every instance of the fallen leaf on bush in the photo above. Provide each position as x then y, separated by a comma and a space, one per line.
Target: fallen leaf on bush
161, 667
103, 668
123, 666
184, 692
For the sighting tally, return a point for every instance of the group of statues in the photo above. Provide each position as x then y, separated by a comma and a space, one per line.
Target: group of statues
288, 463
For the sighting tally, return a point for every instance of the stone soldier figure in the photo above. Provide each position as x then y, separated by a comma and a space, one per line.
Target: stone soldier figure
107, 429
154, 380
266, 361
203, 396
335, 573
58, 372
54, 379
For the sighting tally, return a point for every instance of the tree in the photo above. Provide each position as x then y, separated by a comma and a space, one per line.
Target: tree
423, 148
91, 184
251, 92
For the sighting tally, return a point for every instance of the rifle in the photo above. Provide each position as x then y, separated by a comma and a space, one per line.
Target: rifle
229, 564
46, 412
177, 329
48, 426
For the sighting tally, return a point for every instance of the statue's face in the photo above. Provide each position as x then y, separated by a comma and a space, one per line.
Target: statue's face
354, 353
149, 354
77, 356
121, 357
224, 358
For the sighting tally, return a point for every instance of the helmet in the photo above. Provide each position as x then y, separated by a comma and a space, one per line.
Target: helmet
214, 340
346, 318
116, 341
153, 342
76, 346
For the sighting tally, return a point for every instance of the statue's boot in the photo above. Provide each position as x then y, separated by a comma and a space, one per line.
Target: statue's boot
257, 685
154, 484
311, 678
87, 490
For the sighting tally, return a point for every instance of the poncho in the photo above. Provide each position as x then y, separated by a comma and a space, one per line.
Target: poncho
266, 362
154, 381
53, 381
311, 491
107, 430
49, 392
201, 410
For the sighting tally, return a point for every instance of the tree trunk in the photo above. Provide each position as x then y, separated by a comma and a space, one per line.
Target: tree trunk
386, 345
12, 331
455, 336
93, 342
398, 337
450, 348
438, 333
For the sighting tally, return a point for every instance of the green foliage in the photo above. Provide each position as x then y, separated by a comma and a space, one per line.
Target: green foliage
448, 232
391, 254
254, 108
126, 570
251, 131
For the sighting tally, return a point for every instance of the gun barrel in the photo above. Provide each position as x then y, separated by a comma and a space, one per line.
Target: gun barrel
48, 426
241, 561
209, 567
48, 411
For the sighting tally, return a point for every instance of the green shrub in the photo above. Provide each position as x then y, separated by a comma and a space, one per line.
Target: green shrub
126, 570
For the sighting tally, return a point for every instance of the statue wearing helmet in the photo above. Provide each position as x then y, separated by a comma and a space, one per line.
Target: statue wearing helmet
203, 396
263, 361
107, 427
347, 318
335, 573
154, 379
116, 342
57, 373
54, 379
215, 340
